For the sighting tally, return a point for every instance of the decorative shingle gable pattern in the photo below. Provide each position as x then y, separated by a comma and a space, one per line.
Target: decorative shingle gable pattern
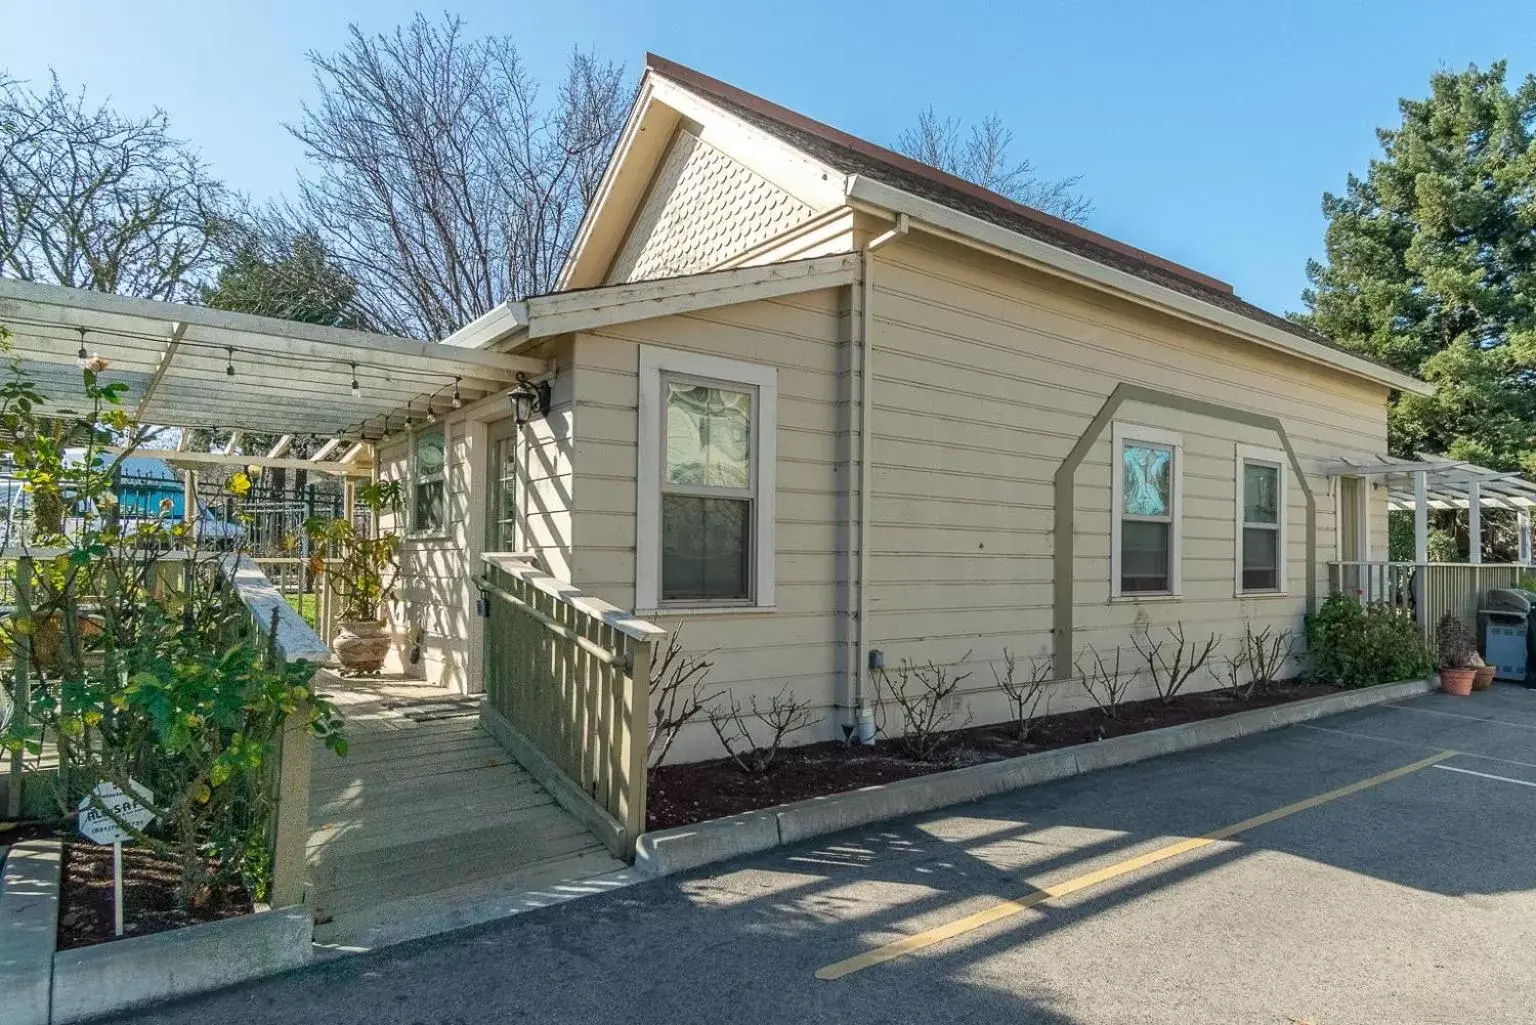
703, 208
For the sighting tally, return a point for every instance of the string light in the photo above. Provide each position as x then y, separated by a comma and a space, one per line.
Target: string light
356, 391
457, 401
229, 365
82, 355
410, 420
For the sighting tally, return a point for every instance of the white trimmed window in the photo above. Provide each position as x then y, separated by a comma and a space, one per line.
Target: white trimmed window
1261, 480
429, 482
705, 501
1147, 494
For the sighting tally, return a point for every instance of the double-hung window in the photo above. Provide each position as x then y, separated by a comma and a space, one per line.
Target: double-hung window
1146, 496
704, 516
429, 478
1261, 477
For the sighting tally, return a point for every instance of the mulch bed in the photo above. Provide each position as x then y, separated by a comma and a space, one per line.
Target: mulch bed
678, 795
149, 896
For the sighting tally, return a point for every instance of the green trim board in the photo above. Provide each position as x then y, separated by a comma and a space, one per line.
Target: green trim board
1062, 629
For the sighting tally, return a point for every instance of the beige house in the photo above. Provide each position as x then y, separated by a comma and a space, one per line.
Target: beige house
815, 404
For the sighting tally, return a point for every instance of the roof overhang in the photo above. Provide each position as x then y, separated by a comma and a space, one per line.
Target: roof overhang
937, 219
288, 377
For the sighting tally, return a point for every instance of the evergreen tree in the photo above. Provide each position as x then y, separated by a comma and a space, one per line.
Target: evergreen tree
294, 279
1431, 268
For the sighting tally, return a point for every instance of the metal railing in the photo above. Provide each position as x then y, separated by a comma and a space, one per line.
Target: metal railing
567, 689
1428, 589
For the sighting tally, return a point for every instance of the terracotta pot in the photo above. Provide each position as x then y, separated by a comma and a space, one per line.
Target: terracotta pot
361, 645
1484, 678
1457, 681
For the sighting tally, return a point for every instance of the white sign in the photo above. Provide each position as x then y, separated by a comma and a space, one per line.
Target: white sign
98, 827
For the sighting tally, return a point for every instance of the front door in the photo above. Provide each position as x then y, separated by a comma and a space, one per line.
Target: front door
503, 533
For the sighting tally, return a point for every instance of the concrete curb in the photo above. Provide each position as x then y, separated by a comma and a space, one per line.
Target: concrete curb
667, 851
29, 921
126, 973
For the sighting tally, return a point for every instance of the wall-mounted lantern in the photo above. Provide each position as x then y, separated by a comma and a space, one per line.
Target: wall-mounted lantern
528, 398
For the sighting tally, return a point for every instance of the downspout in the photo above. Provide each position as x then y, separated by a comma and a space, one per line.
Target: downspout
866, 448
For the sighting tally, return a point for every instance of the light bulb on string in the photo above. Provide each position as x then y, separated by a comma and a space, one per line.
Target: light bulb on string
82, 355
356, 391
457, 401
229, 364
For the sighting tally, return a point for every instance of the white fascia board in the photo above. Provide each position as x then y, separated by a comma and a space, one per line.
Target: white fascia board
586, 309
605, 183
491, 327
926, 214
814, 183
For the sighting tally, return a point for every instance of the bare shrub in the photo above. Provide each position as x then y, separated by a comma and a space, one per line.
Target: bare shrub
677, 696
1234, 677
1172, 660
1024, 692
785, 715
1267, 652
1104, 682
925, 695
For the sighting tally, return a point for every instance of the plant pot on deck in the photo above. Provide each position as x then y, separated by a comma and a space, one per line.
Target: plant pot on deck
361, 645
1484, 678
1457, 681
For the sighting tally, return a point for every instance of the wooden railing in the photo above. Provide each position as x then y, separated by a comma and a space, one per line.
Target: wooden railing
567, 687
314, 595
1428, 589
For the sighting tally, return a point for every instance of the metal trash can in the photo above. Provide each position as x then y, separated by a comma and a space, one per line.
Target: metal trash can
1506, 633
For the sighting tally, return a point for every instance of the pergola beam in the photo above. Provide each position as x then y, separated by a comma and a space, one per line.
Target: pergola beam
336, 467
178, 329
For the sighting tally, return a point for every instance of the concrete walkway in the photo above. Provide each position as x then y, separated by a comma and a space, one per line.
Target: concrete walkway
427, 816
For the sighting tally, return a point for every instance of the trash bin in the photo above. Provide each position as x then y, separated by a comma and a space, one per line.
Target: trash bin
1507, 633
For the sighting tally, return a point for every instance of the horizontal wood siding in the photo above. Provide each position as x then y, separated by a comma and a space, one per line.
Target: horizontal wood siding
986, 374
798, 645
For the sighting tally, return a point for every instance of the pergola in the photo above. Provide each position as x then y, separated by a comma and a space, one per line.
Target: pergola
191, 366
1431, 482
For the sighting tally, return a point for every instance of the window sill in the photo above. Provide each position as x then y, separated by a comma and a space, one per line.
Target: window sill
414, 538
1263, 594
1135, 598
706, 610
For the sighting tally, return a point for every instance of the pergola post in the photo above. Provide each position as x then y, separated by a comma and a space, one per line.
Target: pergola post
1420, 516
1475, 522
1524, 518
189, 497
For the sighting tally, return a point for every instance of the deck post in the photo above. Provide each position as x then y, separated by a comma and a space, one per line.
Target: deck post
290, 817
1420, 516
21, 655
1524, 517
1475, 522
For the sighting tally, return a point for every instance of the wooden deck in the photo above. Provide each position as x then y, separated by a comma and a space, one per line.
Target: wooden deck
428, 810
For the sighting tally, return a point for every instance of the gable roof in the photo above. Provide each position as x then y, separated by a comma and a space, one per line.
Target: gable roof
861, 159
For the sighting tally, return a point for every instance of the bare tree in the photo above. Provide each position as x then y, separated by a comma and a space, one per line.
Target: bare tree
1025, 692
1267, 652
443, 184
785, 715
980, 155
92, 199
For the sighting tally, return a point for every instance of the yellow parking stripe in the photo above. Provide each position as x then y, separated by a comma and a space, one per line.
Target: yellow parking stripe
1039, 895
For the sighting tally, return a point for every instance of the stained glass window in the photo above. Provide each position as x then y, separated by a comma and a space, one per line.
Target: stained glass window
1146, 517
429, 481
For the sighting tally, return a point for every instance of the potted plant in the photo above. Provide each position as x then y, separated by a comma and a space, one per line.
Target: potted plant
1484, 678
362, 570
1455, 649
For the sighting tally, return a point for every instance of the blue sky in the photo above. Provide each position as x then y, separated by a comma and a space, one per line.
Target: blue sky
1203, 134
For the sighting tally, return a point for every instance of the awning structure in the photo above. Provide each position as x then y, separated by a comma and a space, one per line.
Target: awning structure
190, 366
1431, 482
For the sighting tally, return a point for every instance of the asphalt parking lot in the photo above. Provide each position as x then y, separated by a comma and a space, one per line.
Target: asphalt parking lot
1378, 866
